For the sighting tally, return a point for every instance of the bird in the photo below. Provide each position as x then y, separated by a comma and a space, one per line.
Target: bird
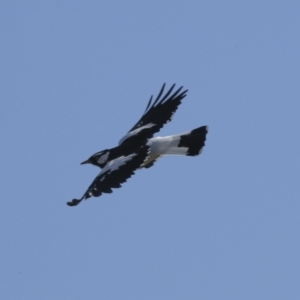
139, 149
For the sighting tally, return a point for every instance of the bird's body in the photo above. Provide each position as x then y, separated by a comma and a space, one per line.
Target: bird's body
139, 149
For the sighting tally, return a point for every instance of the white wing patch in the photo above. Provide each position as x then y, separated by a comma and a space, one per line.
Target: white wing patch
135, 132
115, 164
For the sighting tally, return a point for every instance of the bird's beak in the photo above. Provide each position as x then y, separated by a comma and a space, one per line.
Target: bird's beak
86, 162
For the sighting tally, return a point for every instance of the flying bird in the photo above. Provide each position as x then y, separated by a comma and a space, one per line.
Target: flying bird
139, 149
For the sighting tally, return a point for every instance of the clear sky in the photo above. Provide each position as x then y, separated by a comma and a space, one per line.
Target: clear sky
76, 76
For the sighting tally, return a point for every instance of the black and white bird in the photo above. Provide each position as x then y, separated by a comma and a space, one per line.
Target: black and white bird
139, 149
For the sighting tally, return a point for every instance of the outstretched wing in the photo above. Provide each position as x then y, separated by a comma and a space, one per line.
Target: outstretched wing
157, 114
114, 173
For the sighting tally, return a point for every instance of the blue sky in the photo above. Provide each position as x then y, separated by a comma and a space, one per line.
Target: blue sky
76, 76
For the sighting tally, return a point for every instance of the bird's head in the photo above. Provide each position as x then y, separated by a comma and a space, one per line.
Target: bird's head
98, 159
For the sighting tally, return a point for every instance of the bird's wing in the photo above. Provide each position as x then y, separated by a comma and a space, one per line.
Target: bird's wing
157, 114
114, 173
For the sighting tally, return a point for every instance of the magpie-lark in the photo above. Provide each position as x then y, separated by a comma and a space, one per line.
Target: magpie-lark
139, 149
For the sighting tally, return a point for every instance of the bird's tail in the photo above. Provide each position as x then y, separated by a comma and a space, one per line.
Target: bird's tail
189, 143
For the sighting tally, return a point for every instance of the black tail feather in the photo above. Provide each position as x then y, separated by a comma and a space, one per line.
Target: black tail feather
194, 141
